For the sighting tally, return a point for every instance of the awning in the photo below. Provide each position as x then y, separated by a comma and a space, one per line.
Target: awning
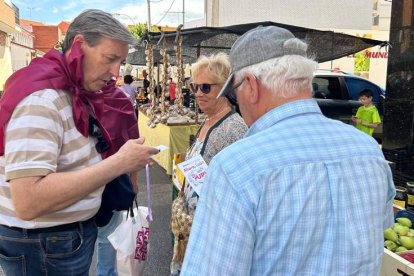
323, 45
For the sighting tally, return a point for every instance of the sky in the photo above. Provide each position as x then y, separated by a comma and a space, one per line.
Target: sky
163, 12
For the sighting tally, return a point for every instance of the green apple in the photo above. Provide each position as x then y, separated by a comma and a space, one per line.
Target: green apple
407, 242
405, 222
410, 233
390, 245
401, 249
390, 234
401, 230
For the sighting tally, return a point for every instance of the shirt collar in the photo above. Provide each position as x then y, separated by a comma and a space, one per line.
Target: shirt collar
283, 112
369, 107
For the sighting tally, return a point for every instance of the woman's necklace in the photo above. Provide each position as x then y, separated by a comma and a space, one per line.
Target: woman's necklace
217, 114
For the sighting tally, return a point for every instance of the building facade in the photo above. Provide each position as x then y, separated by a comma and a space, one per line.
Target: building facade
369, 18
321, 14
22, 47
7, 28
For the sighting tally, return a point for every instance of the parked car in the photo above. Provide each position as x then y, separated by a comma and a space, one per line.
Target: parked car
337, 95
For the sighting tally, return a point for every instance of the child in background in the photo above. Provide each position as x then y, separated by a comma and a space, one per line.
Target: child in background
367, 117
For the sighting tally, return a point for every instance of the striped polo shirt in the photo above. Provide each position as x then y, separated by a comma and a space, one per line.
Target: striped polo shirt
41, 138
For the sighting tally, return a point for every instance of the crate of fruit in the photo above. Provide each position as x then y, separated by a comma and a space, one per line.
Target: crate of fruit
398, 255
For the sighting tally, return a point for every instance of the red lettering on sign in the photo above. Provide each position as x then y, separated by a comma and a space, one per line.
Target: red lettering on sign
199, 175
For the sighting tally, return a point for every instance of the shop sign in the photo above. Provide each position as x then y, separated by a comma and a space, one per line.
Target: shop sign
376, 54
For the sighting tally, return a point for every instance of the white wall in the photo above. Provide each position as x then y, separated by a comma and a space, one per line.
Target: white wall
342, 14
21, 48
384, 10
195, 23
351, 17
21, 57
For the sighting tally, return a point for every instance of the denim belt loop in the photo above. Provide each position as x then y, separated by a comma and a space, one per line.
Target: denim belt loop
24, 233
81, 226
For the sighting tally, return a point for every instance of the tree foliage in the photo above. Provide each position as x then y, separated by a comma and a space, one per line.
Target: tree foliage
138, 30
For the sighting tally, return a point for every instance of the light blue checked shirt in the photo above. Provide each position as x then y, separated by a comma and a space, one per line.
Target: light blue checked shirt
301, 194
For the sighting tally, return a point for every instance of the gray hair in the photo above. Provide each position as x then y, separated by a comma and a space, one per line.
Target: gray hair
287, 75
94, 24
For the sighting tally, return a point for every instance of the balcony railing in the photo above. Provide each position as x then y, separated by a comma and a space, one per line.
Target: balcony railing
16, 14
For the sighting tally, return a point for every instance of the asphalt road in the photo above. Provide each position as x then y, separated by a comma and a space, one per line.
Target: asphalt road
160, 252
160, 249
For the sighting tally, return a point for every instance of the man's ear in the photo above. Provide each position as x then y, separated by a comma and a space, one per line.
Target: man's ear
254, 93
78, 39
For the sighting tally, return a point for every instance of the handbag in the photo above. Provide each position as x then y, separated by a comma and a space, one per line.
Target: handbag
181, 223
131, 242
118, 195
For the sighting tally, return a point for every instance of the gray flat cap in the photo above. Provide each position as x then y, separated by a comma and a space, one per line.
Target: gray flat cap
258, 45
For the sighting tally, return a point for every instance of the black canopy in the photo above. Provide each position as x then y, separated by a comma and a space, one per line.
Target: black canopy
323, 45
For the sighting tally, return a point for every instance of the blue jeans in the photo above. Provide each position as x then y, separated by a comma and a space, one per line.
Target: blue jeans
68, 252
106, 254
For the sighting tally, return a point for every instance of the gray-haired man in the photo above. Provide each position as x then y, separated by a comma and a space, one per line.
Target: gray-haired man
300, 194
53, 139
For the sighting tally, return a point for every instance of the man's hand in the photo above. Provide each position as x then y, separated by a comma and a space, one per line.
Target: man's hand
134, 155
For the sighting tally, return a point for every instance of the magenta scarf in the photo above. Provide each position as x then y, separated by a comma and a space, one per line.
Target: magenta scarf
112, 108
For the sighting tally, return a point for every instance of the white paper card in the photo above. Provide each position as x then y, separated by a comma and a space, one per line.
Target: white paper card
194, 170
161, 147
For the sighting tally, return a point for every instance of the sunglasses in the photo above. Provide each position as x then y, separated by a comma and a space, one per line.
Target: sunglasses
95, 131
204, 87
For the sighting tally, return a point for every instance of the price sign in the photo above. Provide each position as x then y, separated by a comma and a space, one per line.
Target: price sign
194, 170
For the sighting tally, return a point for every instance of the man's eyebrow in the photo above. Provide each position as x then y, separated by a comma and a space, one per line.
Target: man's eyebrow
114, 56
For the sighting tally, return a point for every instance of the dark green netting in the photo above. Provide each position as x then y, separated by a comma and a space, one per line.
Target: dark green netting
323, 45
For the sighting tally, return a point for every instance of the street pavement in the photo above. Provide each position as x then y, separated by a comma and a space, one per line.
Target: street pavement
160, 250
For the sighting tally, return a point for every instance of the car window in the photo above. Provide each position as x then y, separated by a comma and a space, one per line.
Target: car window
326, 88
355, 86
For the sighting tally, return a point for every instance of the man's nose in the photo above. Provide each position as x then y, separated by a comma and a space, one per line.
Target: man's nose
114, 69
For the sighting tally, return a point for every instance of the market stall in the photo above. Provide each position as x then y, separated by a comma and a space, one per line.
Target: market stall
186, 45
323, 45
175, 137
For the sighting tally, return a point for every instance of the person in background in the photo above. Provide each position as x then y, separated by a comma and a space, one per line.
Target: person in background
221, 128
128, 89
145, 82
367, 117
58, 150
171, 90
291, 197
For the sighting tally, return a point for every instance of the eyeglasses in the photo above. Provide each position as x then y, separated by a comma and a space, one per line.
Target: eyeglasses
95, 131
204, 87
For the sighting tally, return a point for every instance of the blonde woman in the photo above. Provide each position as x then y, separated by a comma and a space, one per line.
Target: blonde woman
222, 127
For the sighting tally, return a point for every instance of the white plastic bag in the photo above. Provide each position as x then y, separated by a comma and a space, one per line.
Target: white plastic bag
130, 240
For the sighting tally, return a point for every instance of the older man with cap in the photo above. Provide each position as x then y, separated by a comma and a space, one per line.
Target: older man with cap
301, 194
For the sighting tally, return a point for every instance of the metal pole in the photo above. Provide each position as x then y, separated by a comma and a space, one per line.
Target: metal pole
205, 11
183, 12
149, 15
